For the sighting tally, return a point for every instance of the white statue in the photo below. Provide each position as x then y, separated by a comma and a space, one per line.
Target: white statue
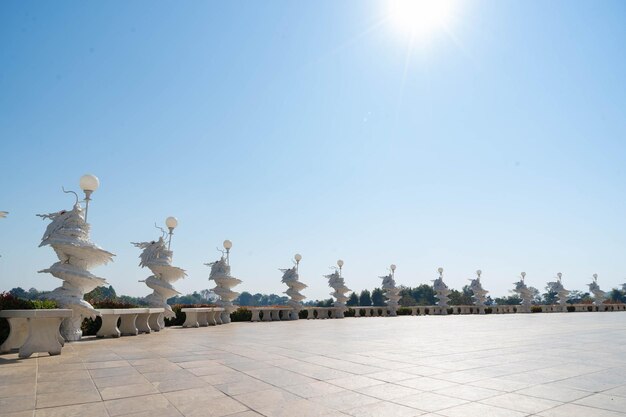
292, 280
68, 234
441, 292
391, 291
562, 293
158, 258
336, 282
524, 293
220, 273
480, 294
594, 288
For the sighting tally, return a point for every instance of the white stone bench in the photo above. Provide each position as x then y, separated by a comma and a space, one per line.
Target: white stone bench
202, 316
324, 313
133, 321
34, 331
370, 311
272, 313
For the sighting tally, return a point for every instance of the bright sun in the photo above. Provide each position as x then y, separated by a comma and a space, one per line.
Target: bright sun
421, 18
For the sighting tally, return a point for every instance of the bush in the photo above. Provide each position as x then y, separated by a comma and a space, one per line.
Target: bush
91, 326
349, 313
241, 314
450, 310
571, 308
403, 311
303, 314
535, 309
488, 310
10, 302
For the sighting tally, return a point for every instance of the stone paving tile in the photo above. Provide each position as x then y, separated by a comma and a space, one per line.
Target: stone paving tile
554, 392
115, 381
468, 392
355, 382
344, 400
388, 391
426, 383
12, 390
522, 403
96, 409
213, 407
28, 413
56, 399
167, 411
198, 395
124, 391
605, 402
574, 410
365, 367
384, 409
313, 389
244, 386
478, 409
17, 403
429, 402
143, 404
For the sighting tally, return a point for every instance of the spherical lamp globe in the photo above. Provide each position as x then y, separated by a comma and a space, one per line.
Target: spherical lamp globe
89, 182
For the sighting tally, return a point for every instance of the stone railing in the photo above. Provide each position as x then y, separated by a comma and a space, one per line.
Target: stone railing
274, 313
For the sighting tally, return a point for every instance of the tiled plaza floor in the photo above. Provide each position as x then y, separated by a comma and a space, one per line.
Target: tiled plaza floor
549, 365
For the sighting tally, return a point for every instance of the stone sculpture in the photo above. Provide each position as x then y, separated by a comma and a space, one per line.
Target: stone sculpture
292, 279
220, 273
391, 291
562, 293
68, 235
441, 292
336, 282
524, 293
158, 258
594, 288
479, 293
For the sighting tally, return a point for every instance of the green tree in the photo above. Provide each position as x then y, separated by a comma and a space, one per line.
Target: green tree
245, 299
378, 299
407, 300
353, 300
101, 294
325, 303
365, 298
19, 292
617, 296
461, 298
549, 297
422, 294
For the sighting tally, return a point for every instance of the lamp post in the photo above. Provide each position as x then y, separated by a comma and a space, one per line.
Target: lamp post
227, 245
298, 258
440, 270
171, 223
88, 183
393, 270
340, 265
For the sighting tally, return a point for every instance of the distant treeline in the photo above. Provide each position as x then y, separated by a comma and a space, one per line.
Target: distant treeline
410, 296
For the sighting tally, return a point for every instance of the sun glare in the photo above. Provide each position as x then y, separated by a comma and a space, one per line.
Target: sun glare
420, 18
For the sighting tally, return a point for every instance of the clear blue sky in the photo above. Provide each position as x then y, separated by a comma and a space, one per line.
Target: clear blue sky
315, 127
